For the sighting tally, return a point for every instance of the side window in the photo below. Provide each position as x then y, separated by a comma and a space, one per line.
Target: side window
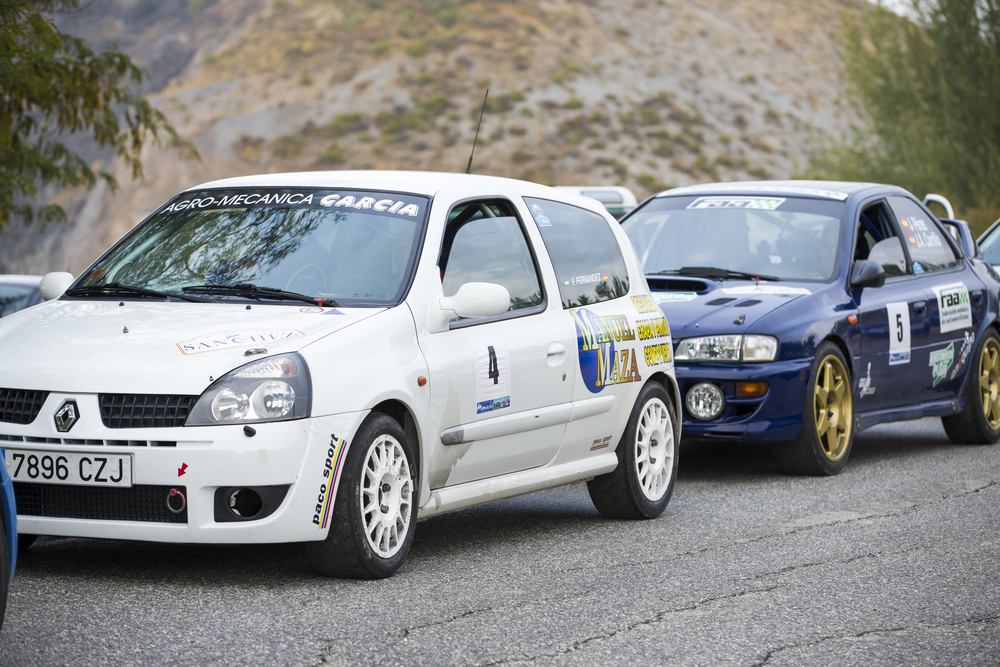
877, 240
929, 249
483, 242
584, 252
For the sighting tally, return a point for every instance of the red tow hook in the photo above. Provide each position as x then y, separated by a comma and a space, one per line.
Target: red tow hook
176, 493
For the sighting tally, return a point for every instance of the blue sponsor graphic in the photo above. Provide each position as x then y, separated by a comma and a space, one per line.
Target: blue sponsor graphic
899, 358
492, 405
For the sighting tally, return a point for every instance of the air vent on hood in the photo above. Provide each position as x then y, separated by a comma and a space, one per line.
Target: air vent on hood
720, 302
747, 303
660, 284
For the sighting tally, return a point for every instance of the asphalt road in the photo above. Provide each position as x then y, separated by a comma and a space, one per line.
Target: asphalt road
892, 562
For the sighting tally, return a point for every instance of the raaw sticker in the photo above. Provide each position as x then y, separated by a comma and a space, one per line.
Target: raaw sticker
780, 290
953, 306
603, 359
963, 355
492, 377
899, 332
674, 297
940, 362
224, 340
865, 387
331, 470
768, 204
601, 443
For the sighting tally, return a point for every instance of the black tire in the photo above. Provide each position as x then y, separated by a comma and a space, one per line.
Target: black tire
350, 550
822, 449
979, 424
639, 488
24, 542
4, 572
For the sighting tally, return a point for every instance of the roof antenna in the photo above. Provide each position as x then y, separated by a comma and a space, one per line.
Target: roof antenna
468, 169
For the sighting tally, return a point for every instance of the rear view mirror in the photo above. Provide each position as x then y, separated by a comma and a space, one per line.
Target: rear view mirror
477, 300
867, 273
54, 284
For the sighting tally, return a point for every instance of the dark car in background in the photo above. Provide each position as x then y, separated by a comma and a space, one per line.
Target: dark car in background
803, 312
18, 292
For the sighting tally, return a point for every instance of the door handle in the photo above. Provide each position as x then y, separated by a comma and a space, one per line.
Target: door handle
556, 348
977, 296
920, 308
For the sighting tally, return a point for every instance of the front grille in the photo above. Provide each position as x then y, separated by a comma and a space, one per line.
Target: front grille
20, 406
141, 502
144, 410
85, 441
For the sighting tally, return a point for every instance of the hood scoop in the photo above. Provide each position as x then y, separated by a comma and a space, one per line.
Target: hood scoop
721, 302
747, 303
661, 284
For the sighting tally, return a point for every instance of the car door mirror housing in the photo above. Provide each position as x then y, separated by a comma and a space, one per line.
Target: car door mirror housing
54, 284
867, 273
477, 300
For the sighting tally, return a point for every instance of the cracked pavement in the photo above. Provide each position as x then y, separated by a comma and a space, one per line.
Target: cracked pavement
892, 562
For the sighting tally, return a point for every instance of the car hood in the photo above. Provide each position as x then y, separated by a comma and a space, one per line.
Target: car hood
152, 347
703, 307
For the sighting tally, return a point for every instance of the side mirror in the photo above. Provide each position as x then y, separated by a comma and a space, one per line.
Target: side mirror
54, 284
477, 300
867, 273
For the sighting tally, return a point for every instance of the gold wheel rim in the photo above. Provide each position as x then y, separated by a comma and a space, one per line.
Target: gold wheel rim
833, 410
989, 382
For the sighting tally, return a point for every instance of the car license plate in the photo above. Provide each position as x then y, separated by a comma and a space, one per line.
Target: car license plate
95, 469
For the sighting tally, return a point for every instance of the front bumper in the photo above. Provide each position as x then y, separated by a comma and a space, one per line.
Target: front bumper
777, 415
196, 460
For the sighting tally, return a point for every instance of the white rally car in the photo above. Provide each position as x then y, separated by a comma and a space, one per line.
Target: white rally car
325, 357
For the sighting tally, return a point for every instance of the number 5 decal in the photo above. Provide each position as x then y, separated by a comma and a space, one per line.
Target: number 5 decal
899, 333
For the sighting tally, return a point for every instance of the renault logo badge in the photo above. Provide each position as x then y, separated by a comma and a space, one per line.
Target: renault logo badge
66, 416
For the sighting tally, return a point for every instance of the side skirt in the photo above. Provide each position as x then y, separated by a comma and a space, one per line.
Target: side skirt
951, 406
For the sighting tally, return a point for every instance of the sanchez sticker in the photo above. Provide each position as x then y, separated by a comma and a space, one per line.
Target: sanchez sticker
224, 340
492, 377
780, 290
899, 333
940, 362
953, 306
736, 202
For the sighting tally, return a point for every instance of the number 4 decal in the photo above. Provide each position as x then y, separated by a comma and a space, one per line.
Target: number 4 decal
492, 377
899, 333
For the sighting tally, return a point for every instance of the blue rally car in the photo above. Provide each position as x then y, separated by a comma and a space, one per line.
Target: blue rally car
805, 311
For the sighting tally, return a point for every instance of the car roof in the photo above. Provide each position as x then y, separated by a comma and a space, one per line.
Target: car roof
16, 279
836, 190
414, 182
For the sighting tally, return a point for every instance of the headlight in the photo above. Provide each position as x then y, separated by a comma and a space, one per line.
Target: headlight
266, 390
728, 348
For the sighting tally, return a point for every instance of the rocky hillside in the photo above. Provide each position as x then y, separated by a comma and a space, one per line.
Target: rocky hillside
644, 93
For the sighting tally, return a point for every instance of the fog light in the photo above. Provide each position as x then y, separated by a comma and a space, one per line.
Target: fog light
705, 401
245, 503
750, 389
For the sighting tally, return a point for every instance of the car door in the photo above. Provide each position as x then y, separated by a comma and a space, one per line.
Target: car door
956, 298
500, 383
894, 318
610, 349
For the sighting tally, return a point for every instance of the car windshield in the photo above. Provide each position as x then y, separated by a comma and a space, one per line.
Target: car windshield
351, 247
785, 238
14, 297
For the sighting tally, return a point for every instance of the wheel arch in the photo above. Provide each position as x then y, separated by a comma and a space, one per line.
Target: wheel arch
844, 350
670, 384
403, 415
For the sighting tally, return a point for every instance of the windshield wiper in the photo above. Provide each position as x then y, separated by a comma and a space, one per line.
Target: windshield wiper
256, 292
713, 272
118, 288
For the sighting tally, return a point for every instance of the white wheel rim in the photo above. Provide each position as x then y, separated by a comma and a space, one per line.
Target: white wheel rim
386, 496
654, 449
